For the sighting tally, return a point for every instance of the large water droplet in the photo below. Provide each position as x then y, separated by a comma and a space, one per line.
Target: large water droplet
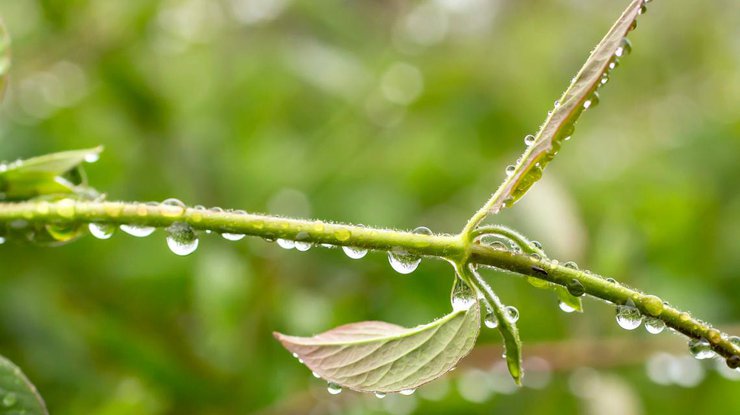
286, 243
407, 392
566, 307
491, 321
575, 288
462, 297
138, 231
628, 317
701, 349
592, 101
529, 139
233, 236
512, 314
354, 252
402, 261
654, 325
379, 395
333, 388
101, 230
181, 239
91, 157
423, 230
733, 362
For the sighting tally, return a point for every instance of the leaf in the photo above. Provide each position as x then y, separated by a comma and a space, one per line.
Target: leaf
507, 328
4, 57
374, 356
44, 175
559, 124
17, 393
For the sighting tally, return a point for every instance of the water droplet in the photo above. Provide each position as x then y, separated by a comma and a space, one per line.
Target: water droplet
592, 101
643, 9
2, 240
735, 340
92, 157
302, 246
510, 170
571, 265
733, 362
535, 256
316, 375
611, 280
654, 325
66, 208
628, 317
490, 320
701, 349
402, 261
557, 103
613, 64
101, 230
512, 314
63, 232
379, 395
604, 79
407, 392
181, 239
233, 236
537, 244
565, 307
333, 388
172, 208
529, 139
463, 297
423, 230
354, 252
515, 249
575, 288
10, 399
624, 49
138, 231
285, 243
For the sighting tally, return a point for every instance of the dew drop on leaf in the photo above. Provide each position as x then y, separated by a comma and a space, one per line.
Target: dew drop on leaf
138, 231
628, 317
379, 395
354, 252
592, 101
333, 388
701, 349
316, 375
407, 392
101, 230
654, 325
181, 239
510, 170
529, 139
624, 49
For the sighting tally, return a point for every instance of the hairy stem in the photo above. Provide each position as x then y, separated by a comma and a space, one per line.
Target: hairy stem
451, 247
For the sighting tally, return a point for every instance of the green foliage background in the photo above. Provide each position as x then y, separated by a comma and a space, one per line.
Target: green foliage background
390, 113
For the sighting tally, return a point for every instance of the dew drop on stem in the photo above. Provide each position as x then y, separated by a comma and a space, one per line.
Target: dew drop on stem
512, 314
285, 243
354, 252
491, 321
628, 317
101, 230
654, 325
137, 230
233, 236
701, 349
181, 239
529, 139
571, 265
575, 288
462, 297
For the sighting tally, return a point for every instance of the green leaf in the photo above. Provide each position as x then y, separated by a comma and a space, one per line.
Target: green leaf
559, 124
56, 173
17, 393
507, 328
374, 356
4, 57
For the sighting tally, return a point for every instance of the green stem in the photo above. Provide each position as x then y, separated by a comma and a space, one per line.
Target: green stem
456, 248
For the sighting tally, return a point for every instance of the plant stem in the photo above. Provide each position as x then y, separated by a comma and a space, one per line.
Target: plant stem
451, 247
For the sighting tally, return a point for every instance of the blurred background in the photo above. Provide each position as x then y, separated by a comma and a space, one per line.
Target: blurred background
387, 113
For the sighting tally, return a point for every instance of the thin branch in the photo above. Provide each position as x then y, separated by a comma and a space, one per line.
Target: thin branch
451, 247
